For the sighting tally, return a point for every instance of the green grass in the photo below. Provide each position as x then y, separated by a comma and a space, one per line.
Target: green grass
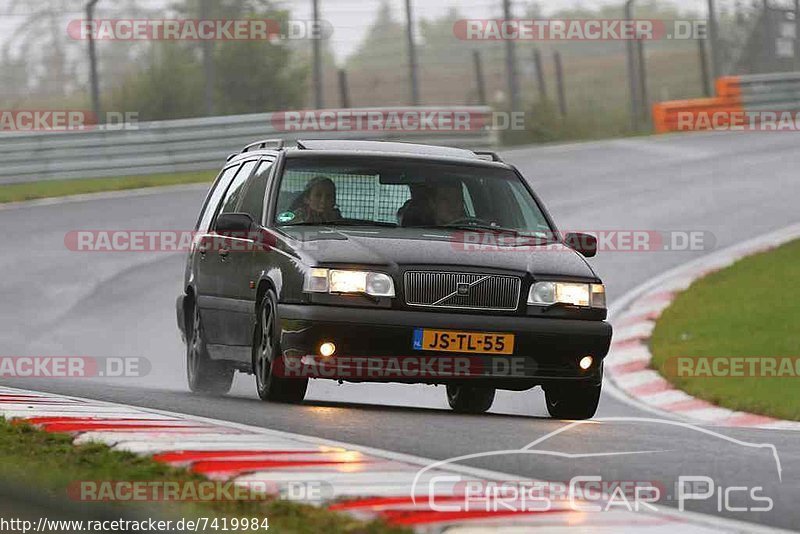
49, 462
749, 309
60, 188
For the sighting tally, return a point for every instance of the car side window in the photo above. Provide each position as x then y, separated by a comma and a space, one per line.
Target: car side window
236, 189
253, 198
212, 204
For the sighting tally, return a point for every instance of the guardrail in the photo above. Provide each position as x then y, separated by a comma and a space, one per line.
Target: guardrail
736, 96
190, 144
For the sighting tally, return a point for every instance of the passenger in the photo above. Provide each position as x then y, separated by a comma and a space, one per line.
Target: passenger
317, 202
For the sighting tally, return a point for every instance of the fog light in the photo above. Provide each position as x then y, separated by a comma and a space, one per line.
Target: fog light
586, 362
327, 349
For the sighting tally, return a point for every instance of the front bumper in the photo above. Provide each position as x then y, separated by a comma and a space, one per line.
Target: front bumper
375, 345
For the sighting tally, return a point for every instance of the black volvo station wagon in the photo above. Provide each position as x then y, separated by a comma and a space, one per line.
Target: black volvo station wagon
390, 262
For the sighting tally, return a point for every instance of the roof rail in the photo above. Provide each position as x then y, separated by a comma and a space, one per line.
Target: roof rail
488, 155
276, 144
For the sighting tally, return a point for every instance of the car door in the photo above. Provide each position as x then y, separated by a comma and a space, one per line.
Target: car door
201, 262
216, 298
235, 269
253, 203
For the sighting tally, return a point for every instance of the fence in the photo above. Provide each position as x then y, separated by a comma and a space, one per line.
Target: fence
188, 145
736, 95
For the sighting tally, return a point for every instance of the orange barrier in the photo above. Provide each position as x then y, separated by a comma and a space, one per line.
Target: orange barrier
701, 113
729, 87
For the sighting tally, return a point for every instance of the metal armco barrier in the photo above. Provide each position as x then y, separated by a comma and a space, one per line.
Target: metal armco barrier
779, 92
193, 144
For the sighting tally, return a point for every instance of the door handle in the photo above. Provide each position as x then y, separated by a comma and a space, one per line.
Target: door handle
202, 249
224, 252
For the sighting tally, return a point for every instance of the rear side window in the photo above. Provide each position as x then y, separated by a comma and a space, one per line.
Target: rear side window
236, 189
213, 201
253, 199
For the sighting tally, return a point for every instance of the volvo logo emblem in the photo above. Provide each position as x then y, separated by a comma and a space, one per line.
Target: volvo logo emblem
462, 290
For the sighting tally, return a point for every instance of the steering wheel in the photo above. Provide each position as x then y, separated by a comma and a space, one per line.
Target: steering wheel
470, 221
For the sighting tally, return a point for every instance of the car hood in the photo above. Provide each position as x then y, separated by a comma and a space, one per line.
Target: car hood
409, 247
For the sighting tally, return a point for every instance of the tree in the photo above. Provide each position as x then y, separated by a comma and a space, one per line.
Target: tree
250, 76
384, 44
169, 87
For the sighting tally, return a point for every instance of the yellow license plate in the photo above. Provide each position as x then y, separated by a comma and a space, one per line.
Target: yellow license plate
463, 342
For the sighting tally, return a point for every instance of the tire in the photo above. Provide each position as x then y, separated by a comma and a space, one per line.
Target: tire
266, 346
470, 399
573, 401
204, 375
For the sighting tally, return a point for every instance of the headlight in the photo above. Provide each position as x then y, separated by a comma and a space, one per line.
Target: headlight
575, 294
336, 281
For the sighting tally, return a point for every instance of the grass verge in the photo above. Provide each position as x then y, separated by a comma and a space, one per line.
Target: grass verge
747, 310
60, 188
49, 462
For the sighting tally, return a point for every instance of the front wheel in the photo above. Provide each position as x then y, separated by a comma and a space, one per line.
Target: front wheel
204, 375
266, 347
469, 399
573, 400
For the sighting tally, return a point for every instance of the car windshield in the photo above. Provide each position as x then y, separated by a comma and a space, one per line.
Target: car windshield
400, 193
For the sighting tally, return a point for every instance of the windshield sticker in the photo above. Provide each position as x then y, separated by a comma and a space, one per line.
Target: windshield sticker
286, 216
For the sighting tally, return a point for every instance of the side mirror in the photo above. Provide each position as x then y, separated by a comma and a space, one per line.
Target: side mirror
234, 223
586, 244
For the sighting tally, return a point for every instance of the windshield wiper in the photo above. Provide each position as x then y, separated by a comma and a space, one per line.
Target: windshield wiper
355, 222
485, 227
344, 222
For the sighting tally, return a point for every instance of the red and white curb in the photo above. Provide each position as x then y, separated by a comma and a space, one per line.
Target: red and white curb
628, 362
365, 482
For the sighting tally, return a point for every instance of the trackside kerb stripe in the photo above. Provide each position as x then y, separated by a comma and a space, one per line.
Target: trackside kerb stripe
628, 362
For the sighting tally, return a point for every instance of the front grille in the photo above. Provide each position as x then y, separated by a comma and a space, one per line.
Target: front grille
477, 291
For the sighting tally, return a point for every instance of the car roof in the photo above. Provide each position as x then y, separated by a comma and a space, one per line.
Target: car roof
341, 147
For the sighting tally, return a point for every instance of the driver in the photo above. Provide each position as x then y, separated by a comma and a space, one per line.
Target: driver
448, 203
